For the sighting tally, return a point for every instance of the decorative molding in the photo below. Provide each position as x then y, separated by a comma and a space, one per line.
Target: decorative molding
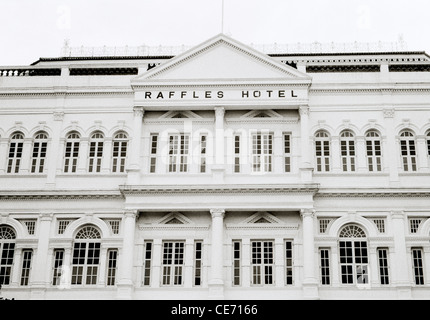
270, 218
217, 213
369, 194
174, 215
307, 213
59, 195
138, 111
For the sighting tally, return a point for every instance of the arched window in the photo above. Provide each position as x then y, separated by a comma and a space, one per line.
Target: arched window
119, 152
408, 151
95, 152
373, 151
16, 144
353, 255
322, 151
7, 249
71, 153
86, 256
38, 156
347, 150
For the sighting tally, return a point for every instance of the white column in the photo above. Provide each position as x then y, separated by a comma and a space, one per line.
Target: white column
245, 272
335, 154
83, 155
101, 281
55, 151
306, 168
401, 271
189, 263
125, 283
26, 155
38, 272
392, 151
216, 280
133, 169
422, 154
3, 154
360, 154
310, 284
219, 166
279, 253
16, 269
107, 155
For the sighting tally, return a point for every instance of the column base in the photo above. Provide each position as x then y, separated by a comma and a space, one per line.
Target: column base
133, 175
216, 290
125, 291
404, 292
310, 290
218, 173
306, 173
37, 292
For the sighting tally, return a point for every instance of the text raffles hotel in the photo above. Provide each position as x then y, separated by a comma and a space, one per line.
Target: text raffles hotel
218, 173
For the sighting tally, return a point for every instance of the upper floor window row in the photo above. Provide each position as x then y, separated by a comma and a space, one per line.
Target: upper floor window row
21, 149
348, 152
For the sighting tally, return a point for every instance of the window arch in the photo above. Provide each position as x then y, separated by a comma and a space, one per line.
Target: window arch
322, 151
16, 144
408, 151
119, 152
38, 156
347, 150
96, 152
373, 150
353, 255
7, 250
428, 143
86, 256
71, 153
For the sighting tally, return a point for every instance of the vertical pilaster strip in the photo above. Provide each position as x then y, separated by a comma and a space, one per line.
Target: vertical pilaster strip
216, 281
134, 168
219, 166
55, 149
306, 168
310, 284
125, 283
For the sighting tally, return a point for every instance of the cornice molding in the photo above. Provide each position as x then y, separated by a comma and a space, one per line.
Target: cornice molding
374, 194
177, 189
59, 195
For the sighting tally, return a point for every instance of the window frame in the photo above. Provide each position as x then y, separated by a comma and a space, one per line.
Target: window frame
15, 151
72, 146
39, 153
322, 151
95, 152
119, 152
373, 151
348, 147
408, 151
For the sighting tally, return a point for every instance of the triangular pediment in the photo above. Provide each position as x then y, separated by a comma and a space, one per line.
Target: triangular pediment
221, 58
174, 218
262, 217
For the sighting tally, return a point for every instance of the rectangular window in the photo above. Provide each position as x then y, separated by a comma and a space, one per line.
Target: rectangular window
287, 152
112, 260
323, 224
237, 153
374, 155
178, 153
147, 264
114, 225
407, 148
95, 156
173, 263
85, 263
380, 224
414, 224
119, 155
288, 262
236, 262
62, 225
347, 149
58, 266
325, 266
417, 260
262, 262
38, 156
71, 156
26, 266
198, 250
153, 157
262, 152
322, 152
31, 225
353, 262
203, 141
6, 261
383, 265
15, 154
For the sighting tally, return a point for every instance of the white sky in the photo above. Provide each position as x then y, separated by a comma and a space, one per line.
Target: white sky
30, 29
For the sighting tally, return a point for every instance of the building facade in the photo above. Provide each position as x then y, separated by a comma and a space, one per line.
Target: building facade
219, 173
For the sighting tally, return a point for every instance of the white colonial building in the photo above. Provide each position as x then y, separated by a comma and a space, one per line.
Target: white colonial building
218, 173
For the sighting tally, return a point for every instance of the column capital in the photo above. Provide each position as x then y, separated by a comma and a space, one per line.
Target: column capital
138, 111
307, 212
46, 216
217, 213
219, 111
131, 213
398, 214
304, 110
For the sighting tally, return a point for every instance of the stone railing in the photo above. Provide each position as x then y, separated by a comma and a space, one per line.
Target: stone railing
28, 72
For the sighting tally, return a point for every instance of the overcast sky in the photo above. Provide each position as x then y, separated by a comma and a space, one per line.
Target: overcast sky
30, 29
